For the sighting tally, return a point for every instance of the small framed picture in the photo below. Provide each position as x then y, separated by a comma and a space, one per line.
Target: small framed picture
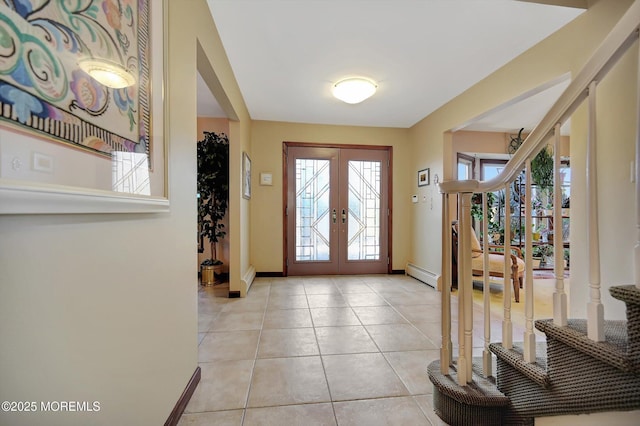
423, 177
246, 176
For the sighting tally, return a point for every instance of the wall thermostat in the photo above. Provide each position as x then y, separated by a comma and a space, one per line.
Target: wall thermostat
266, 179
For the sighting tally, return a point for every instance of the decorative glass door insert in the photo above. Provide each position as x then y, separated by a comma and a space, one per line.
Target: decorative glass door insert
363, 238
312, 209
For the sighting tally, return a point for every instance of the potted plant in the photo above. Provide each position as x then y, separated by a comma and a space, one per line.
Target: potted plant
542, 176
542, 170
213, 199
542, 252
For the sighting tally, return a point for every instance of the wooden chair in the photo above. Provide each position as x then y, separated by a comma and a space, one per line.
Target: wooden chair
496, 261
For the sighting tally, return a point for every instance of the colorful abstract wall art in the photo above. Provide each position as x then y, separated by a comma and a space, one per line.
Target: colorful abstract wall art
44, 91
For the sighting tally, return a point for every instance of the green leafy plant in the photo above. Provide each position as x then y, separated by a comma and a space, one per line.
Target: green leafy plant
543, 251
213, 190
542, 170
476, 206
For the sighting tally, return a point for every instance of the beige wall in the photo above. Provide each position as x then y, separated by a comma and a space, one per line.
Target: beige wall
266, 226
565, 51
103, 307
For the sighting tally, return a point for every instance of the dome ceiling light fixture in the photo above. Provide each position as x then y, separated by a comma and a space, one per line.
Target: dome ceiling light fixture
354, 90
107, 73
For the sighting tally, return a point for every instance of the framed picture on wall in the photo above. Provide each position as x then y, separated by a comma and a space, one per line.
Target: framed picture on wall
423, 177
246, 176
75, 121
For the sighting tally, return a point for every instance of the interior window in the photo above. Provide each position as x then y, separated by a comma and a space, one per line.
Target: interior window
465, 167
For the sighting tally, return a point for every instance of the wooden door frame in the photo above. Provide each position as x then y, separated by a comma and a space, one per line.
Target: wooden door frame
285, 188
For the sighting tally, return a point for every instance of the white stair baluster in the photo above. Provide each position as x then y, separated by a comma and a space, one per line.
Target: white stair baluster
636, 254
595, 309
445, 350
559, 296
486, 354
507, 326
465, 291
529, 336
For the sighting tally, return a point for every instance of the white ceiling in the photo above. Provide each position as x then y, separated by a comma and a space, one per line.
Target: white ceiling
286, 54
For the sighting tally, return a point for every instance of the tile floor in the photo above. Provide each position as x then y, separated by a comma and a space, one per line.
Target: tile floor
343, 350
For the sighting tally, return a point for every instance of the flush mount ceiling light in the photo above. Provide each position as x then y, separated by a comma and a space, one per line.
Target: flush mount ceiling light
354, 90
107, 73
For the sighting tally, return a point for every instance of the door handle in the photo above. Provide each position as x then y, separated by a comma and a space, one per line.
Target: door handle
344, 215
334, 215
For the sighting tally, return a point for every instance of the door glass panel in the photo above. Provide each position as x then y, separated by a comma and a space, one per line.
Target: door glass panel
312, 209
364, 210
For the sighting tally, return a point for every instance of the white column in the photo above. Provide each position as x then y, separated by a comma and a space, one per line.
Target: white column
487, 368
465, 291
595, 309
445, 350
559, 296
529, 336
507, 326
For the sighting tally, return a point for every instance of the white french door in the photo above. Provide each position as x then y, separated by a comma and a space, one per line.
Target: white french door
337, 210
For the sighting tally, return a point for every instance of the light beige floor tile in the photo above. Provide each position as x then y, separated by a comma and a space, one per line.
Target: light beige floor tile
228, 345
325, 317
370, 315
399, 337
364, 299
380, 412
288, 381
205, 321
287, 318
283, 288
354, 288
425, 402
344, 340
232, 321
248, 304
224, 385
361, 376
335, 300
320, 288
402, 297
279, 281
347, 279
295, 389
318, 280
420, 313
287, 342
288, 301
411, 366
302, 415
218, 418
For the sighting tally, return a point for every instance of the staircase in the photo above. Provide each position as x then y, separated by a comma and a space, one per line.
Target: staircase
583, 365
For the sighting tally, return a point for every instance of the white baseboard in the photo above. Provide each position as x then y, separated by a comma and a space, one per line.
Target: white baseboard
423, 275
247, 280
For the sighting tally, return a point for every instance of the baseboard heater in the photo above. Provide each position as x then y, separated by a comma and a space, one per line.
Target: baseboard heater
423, 275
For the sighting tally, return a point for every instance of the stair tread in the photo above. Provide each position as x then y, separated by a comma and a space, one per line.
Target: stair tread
536, 371
613, 350
480, 392
627, 293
